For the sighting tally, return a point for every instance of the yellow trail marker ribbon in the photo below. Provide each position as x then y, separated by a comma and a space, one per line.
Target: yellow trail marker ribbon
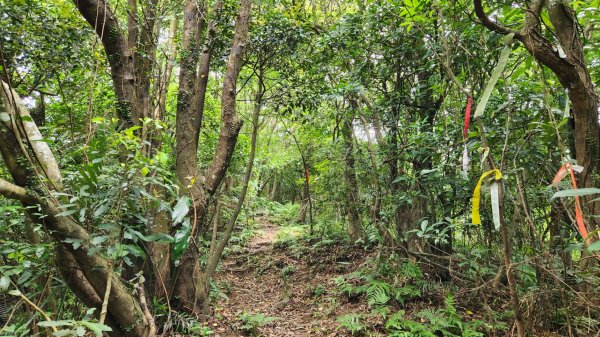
477, 194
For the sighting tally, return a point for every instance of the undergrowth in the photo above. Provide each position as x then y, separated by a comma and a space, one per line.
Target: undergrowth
393, 289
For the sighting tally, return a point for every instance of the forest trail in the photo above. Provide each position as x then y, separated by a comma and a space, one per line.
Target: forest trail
266, 239
282, 291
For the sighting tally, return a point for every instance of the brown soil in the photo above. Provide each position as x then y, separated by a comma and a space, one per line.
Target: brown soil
295, 284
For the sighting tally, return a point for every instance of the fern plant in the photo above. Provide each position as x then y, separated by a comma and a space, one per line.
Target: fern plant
352, 322
398, 326
378, 293
440, 322
448, 322
401, 294
350, 286
251, 322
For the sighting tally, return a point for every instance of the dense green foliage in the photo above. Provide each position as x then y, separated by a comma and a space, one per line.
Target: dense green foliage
362, 110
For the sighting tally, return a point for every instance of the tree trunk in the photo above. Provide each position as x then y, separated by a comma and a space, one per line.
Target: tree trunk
120, 57
214, 259
301, 217
273, 189
394, 169
376, 207
20, 140
189, 286
160, 253
352, 203
187, 123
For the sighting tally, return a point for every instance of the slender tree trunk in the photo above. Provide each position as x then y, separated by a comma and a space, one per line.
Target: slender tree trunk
352, 203
392, 160
376, 207
273, 189
214, 259
301, 217
160, 253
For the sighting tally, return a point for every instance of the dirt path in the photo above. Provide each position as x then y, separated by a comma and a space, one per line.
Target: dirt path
294, 284
266, 239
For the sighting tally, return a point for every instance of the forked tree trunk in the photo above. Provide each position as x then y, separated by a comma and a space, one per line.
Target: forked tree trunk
189, 285
131, 60
120, 57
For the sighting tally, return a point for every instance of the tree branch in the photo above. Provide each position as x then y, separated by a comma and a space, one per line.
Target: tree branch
105, 23
12, 191
119, 55
230, 124
488, 23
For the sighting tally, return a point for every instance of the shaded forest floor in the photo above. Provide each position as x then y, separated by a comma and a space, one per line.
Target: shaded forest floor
274, 286
277, 291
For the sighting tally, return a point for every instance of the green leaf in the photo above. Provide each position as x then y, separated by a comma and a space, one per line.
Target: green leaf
55, 323
67, 212
15, 292
162, 157
594, 247
4, 283
98, 240
80, 331
159, 237
181, 239
100, 210
576, 192
96, 328
573, 247
75, 242
181, 209
494, 76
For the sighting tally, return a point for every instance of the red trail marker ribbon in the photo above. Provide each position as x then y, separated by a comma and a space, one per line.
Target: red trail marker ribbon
467, 118
465, 156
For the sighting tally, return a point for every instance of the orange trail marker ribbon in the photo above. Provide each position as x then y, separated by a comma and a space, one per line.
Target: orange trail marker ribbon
475, 218
560, 175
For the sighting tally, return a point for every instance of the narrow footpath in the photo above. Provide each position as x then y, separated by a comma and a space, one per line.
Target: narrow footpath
274, 291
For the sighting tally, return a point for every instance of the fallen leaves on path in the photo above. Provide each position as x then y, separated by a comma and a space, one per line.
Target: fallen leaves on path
294, 284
